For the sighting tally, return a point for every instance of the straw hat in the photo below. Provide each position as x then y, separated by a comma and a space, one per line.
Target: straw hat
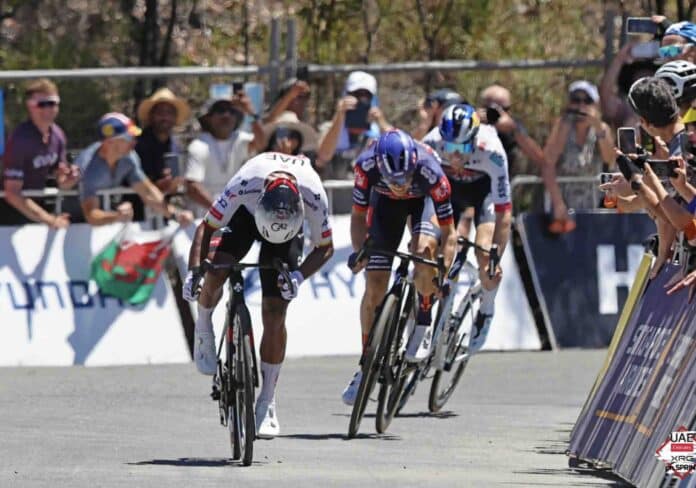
289, 120
163, 95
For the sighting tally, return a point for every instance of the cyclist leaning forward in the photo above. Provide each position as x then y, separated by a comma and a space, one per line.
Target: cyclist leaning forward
475, 162
397, 178
267, 200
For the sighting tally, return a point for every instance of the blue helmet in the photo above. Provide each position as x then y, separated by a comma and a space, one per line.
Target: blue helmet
396, 156
458, 128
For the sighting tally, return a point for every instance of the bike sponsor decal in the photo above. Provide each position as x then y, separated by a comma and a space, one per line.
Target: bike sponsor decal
678, 452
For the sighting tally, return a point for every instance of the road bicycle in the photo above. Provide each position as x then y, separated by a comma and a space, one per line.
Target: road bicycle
237, 374
383, 357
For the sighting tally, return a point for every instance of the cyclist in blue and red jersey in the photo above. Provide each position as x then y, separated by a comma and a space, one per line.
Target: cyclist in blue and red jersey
397, 178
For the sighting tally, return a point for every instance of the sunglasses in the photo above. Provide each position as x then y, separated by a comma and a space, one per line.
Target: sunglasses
46, 102
222, 109
672, 50
582, 100
453, 147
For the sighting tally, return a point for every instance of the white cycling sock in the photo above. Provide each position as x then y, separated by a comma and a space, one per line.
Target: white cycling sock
204, 322
269, 373
488, 301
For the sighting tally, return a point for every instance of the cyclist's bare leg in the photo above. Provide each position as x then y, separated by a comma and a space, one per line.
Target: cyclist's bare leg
274, 339
466, 219
211, 291
424, 246
484, 238
375, 288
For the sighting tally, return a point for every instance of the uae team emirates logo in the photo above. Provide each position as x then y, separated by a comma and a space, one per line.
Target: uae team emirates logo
678, 452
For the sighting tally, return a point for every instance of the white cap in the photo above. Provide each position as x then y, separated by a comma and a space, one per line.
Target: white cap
359, 80
587, 87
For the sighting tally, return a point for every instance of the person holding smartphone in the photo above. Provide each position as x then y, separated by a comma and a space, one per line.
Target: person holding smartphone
580, 144
358, 120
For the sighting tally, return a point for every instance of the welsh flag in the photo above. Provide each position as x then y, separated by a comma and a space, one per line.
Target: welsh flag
129, 266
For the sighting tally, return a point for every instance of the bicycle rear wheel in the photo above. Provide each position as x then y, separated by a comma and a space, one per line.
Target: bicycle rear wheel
447, 377
370, 363
395, 371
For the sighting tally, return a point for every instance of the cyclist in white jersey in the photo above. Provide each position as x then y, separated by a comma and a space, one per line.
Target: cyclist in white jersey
474, 160
268, 200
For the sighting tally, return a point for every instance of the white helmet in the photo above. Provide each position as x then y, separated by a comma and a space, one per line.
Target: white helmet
681, 77
279, 213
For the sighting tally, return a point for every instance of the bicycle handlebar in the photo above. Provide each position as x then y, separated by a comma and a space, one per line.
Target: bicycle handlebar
494, 257
276, 264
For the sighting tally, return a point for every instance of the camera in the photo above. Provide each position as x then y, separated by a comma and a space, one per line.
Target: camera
640, 25
493, 113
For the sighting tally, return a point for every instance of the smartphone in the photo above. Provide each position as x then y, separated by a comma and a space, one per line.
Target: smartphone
171, 161
663, 168
626, 137
647, 142
646, 50
685, 145
640, 25
237, 86
357, 118
605, 178
302, 73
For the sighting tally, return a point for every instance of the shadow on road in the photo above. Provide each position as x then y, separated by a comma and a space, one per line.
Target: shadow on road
447, 414
192, 462
343, 437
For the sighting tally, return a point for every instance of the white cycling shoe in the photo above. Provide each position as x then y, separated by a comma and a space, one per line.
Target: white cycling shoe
351, 390
419, 343
479, 332
204, 352
267, 426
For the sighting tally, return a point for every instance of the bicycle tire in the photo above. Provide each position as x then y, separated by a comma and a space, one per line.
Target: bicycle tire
244, 381
369, 364
445, 382
394, 368
233, 410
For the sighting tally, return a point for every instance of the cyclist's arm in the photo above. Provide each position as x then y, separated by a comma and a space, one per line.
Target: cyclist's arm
501, 234
320, 230
502, 201
200, 245
441, 193
358, 215
316, 259
448, 242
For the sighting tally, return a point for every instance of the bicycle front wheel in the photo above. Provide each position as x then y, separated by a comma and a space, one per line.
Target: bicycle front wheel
244, 424
447, 376
370, 363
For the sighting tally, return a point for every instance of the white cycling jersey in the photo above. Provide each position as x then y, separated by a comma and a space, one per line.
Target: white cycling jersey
489, 158
246, 185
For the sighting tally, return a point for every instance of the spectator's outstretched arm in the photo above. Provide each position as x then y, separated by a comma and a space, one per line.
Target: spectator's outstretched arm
154, 199
96, 216
300, 87
244, 103
609, 99
425, 116
196, 192
30, 209
327, 146
552, 152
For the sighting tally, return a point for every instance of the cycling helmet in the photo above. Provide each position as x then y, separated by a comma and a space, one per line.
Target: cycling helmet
279, 213
458, 128
396, 156
681, 78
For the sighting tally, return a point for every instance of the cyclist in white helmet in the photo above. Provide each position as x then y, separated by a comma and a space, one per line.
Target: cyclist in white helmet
268, 200
681, 78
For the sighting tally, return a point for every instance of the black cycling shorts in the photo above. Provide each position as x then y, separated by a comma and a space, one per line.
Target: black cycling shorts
243, 234
476, 194
386, 220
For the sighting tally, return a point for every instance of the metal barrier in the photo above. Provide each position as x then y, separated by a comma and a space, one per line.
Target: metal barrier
522, 180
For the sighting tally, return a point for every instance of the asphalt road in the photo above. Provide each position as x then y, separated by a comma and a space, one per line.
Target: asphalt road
154, 426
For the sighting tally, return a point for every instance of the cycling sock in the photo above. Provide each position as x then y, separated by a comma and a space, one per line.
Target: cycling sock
269, 373
204, 322
425, 306
488, 301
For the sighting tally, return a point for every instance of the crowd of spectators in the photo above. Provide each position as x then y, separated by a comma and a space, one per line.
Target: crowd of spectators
157, 165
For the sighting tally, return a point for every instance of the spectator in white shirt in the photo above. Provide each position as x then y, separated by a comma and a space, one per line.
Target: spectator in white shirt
223, 146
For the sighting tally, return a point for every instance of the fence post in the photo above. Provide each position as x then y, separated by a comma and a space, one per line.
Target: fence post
273, 62
290, 49
609, 27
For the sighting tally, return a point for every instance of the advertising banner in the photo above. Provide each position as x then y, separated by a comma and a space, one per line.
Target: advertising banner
647, 393
324, 318
582, 278
53, 314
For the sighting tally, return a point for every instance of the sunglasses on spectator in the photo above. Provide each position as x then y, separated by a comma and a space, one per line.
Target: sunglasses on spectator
222, 109
672, 50
46, 102
581, 99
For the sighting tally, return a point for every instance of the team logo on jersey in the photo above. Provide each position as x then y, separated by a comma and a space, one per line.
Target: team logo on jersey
497, 159
442, 190
368, 164
428, 174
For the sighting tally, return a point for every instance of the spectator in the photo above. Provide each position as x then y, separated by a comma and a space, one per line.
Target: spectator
579, 144
431, 110
158, 151
288, 135
358, 120
623, 71
293, 96
679, 42
36, 149
110, 163
223, 147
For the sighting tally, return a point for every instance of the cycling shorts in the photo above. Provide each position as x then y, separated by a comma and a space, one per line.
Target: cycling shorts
243, 233
386, 220
476, 194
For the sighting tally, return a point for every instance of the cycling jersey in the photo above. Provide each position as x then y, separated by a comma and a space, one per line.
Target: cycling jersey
428, 181
245, 187
488, 159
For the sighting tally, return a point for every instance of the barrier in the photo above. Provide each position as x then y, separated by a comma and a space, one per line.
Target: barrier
582, 278
323, 319
647, 393
53, 315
